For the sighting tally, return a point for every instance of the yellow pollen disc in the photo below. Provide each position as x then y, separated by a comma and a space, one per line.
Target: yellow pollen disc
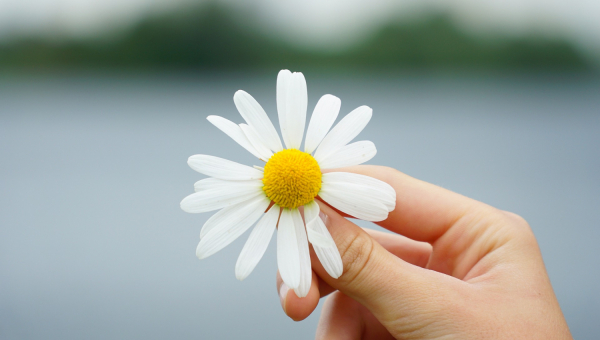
292, 178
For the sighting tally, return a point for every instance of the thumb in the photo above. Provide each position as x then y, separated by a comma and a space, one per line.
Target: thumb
393, 290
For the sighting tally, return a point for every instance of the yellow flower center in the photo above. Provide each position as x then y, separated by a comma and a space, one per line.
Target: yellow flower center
292, 178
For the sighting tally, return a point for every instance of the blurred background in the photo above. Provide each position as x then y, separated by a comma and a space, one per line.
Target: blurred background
101, 103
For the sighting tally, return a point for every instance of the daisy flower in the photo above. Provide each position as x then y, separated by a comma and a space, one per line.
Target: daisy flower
281, 195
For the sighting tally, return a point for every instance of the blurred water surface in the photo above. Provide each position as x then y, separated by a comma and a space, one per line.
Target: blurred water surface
93, 243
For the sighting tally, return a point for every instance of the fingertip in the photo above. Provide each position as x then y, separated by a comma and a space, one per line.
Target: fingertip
297, 308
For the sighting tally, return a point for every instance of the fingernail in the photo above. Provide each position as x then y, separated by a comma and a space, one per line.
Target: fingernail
283, 291
323, 217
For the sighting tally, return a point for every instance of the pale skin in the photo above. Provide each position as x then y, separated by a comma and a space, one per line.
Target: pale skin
455, 268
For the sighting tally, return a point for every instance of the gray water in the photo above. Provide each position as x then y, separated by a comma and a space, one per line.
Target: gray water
93, 244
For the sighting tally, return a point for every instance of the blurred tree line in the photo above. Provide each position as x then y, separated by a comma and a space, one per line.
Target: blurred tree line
211, 37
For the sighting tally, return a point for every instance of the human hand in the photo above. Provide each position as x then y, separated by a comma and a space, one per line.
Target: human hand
459, 269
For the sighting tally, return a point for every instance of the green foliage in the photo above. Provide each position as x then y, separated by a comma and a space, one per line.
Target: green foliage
437, 43
211, 37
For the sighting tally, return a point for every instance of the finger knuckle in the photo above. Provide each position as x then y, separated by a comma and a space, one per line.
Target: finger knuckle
516, 219
517, 222
355, 254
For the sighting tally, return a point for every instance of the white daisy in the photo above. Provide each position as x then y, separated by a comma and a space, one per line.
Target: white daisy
289, 180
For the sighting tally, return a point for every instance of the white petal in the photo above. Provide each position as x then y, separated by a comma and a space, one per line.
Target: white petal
256, 117
288, 258
325, 113
331, 260
211, 183
209, 200
328, 255
304, 255
257, 244
315, 235
222, 168
226, 214
311, 211
227, 228
355, 205
344, 132
351, 154
283, 87
317, 239
207, 183
292, 100
225, 194
360, 196
264, 152
232, 130
379, 190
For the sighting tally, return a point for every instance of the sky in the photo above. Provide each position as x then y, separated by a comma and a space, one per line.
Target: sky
317, 22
